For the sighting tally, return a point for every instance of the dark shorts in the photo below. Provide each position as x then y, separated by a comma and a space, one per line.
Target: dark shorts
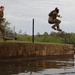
53, 21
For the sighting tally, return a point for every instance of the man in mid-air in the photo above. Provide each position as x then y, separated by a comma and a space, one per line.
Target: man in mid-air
53, 19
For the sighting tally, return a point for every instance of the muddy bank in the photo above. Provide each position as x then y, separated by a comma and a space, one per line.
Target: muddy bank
11, 49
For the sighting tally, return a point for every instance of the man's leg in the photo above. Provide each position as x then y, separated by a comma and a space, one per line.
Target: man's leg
54, 27
57, 22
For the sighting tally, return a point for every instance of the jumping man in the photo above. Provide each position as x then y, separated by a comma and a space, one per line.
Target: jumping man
53, 19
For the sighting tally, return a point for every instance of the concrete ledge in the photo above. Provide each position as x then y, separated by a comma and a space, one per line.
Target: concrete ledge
11, 49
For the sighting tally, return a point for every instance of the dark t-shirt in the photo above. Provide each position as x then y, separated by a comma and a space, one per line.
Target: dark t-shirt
53, 14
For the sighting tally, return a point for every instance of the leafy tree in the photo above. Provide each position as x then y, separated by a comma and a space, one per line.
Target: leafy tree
45, 34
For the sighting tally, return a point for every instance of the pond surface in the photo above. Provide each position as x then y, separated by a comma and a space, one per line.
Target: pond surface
39, 67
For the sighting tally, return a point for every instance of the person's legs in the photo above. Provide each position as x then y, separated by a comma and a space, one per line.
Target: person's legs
57, 22
50, 21
54, 27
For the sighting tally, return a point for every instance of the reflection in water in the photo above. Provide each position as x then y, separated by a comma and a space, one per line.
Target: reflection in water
38, 67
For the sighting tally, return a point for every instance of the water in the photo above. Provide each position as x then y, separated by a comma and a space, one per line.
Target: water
39, 67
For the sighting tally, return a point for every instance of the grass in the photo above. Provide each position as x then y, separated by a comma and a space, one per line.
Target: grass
13, 41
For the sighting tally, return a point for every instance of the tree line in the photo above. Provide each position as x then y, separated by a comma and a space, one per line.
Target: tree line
53, 37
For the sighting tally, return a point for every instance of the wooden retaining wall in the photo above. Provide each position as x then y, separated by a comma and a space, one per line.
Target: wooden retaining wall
10, 49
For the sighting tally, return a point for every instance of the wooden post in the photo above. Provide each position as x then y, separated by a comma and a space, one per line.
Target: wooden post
33, 31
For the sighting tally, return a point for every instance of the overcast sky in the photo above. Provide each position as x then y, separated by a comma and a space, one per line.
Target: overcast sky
21, 12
